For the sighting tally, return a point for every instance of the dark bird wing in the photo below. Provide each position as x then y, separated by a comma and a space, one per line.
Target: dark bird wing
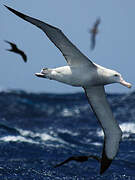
93, 41
64, 162
97, 23
71, 53
95, 157
23, 56
78, 159
13, 46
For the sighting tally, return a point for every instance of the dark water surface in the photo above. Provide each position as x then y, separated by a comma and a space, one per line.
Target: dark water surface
37, 131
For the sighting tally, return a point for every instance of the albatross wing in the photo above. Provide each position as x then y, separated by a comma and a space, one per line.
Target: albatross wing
72, 54
97, 99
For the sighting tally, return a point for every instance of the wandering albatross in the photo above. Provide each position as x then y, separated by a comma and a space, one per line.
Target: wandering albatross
82, 72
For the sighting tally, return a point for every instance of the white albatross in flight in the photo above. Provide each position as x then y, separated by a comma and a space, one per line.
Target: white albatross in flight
82, 72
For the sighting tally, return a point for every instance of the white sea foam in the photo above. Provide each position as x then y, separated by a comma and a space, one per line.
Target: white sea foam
67, 113
70, 112
44, 137
100, 133
31, 137
68, 132
17, 139
127, 129
97, 144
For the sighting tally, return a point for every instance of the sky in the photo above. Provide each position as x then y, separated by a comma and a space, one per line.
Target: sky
115, 42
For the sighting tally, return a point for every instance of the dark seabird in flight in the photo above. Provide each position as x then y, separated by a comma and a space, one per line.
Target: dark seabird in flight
94, 32
79, 159
15, 49
82, 72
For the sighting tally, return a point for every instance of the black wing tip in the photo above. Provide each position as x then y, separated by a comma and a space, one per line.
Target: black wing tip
15, 12
9, 42
105, 163
6, 41
5, 6
58, 165
25, 59
8, 8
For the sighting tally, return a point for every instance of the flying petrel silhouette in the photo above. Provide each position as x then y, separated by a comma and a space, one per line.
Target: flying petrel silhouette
94, 32
15, 49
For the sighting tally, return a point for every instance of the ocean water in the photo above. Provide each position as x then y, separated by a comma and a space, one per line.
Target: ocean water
38, 131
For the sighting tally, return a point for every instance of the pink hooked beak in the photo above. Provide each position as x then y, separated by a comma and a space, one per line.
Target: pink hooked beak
124, 83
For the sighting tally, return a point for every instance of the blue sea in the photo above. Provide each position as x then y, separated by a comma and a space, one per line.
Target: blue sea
40, 130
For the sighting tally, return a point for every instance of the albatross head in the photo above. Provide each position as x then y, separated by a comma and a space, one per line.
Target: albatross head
115, 77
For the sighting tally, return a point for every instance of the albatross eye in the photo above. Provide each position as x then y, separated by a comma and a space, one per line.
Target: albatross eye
116, 75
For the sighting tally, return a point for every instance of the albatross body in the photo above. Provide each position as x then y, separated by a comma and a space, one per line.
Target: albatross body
82, 72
